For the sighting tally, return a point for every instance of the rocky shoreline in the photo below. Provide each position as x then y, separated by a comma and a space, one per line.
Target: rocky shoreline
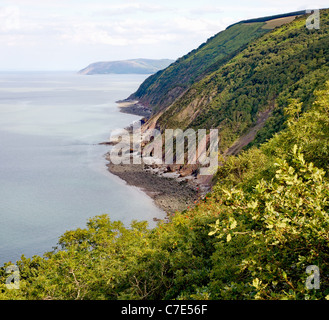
170, 189
134, 107
170, 194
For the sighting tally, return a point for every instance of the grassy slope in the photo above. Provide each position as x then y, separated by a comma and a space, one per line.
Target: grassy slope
265, 257
180, 260
286, 63
161, 89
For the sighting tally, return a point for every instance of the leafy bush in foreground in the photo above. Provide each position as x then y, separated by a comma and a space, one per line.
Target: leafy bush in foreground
251, 238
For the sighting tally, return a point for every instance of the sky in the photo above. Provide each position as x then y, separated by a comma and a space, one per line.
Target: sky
70, 34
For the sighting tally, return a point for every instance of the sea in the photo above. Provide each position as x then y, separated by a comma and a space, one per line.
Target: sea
53, 174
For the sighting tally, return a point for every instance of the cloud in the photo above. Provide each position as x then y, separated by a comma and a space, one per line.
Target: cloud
134, 31
198, 26
123, 33
206, 10
63, 32
9, 18
129, 8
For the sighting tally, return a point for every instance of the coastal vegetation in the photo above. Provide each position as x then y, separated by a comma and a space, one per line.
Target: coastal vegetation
267, 217
163, 88
287, 63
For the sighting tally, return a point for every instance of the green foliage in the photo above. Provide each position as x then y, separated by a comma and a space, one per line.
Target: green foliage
245, 169
108, 261
286, 221
164, 87
253, 237
310, 132
284, 64
264, 241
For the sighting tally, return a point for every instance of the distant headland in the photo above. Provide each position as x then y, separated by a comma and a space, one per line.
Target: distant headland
134, 66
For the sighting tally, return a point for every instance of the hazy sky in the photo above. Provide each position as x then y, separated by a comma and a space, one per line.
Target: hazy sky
70, 34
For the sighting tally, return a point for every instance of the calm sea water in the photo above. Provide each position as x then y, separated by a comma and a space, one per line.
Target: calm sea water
53, 174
